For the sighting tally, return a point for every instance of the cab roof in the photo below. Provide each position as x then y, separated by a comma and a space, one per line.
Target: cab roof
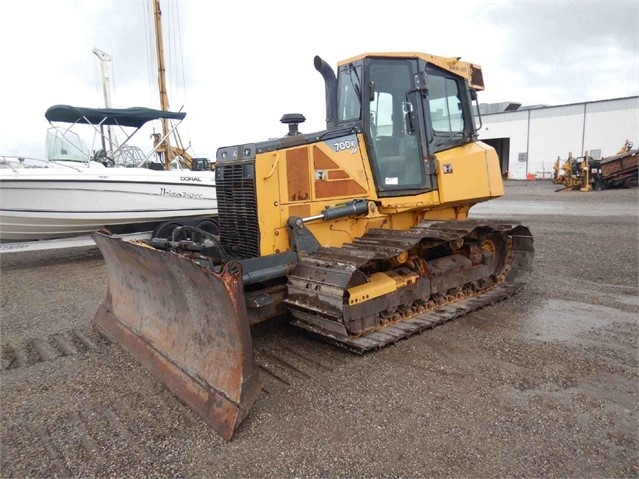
469, 71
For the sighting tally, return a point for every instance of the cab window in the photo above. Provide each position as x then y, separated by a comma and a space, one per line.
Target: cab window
395, 147
445, 104
348, 100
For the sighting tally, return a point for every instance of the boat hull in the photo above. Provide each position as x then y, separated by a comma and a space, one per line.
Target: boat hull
50, 204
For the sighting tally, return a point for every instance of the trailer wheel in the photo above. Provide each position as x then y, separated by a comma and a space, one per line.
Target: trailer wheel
630, 182
165, 230
209, 226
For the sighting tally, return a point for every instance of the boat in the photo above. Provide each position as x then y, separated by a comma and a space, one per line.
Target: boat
78, 191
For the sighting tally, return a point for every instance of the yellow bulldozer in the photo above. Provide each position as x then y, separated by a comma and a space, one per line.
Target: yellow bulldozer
358, 233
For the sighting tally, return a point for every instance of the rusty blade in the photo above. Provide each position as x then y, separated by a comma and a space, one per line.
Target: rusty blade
185, 324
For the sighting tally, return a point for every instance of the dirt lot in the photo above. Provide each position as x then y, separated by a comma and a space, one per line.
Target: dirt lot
542, 385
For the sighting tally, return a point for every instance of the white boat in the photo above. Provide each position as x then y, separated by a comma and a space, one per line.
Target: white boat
75, 193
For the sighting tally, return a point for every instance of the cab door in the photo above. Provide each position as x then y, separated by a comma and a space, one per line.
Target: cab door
395, 131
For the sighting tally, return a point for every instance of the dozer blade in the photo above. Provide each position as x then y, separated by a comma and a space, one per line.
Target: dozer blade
185, 324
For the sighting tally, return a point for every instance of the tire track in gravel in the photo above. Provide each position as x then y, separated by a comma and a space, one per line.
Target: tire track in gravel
139, 427
87, 442
56, 346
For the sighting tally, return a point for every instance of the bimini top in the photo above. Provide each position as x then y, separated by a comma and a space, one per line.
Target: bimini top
134, 117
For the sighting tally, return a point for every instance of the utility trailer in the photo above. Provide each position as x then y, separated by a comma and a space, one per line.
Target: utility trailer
64, 243
178, 228
620, 170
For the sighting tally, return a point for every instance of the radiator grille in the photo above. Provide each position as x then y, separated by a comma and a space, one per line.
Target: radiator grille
237, 209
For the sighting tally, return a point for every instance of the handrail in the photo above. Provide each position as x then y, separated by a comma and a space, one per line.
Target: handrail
16, 162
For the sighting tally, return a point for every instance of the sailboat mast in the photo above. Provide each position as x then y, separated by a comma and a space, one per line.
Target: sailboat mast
164, 99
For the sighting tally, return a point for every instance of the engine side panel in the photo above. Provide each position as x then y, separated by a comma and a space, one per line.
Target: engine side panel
303, 180
469, 174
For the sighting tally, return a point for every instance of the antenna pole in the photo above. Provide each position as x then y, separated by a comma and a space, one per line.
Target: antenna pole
105, 58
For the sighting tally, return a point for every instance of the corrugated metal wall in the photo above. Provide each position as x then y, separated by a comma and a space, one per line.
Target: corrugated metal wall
543, 134
554, 132
509, 125
610, 124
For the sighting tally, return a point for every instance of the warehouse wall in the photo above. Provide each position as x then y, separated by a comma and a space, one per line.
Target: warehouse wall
509, 125
554, 132
609, 124
539, 136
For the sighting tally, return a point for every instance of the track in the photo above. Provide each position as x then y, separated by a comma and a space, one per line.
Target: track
455, 267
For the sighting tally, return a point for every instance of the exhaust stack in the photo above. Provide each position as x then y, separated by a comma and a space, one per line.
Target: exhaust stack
330, 81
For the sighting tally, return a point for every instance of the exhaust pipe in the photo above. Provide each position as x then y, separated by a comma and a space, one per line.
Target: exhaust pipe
330, 82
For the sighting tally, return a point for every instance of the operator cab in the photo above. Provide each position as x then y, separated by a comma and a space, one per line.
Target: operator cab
410, 109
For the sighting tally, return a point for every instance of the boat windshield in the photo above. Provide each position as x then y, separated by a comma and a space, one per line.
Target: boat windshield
66, 146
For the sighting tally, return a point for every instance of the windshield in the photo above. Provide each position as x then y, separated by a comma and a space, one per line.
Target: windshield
65, 145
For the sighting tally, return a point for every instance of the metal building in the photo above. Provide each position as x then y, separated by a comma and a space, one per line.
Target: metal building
529, 139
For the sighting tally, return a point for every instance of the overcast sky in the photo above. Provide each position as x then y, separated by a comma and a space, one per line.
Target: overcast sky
236, 67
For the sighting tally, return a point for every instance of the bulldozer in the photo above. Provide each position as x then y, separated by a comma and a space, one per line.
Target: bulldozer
359, 234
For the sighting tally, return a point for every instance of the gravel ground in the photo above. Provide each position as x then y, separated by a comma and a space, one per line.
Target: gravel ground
541, 385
